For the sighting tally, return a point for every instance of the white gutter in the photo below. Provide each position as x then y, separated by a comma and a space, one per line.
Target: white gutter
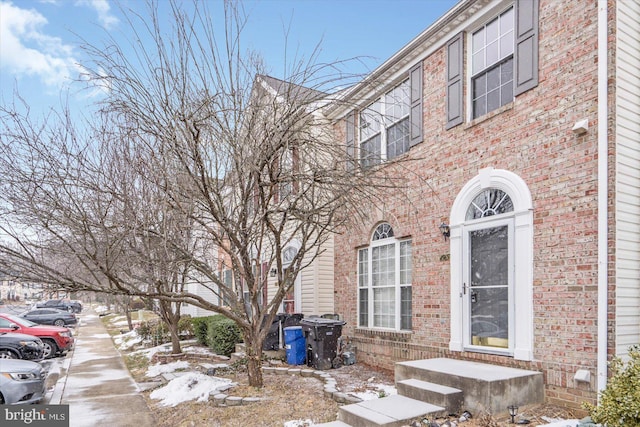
603, 172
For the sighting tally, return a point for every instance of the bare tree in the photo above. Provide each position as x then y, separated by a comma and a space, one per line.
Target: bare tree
200, 162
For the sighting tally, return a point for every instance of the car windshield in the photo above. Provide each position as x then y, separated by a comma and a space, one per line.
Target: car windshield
20, 321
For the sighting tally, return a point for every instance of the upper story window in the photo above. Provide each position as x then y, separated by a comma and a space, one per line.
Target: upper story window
502, 62
492, 48
384, 126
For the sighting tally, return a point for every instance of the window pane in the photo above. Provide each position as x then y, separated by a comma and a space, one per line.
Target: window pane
405, 308
492, 30
405, 263
507, 93
363, 304
370, 119
370, 152
506, 45
489, 317
493, 100
478, 62
506, 21
384, 307
492, 52
397, 102
493, 79
383, 231
488, 203
398, 139
479, 86
363, 267
489, 257
479, 107
477, 41
383, 265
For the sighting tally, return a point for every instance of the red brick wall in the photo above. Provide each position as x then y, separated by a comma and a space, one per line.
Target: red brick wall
531, 137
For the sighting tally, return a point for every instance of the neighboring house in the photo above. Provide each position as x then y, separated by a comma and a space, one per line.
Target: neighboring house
313, 289
312, 293
13, 289
515, 126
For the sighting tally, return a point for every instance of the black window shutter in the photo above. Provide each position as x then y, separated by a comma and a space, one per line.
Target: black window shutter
454, 81
415, 117
526, 49
350, 142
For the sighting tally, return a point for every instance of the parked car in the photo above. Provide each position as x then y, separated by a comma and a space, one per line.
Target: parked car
56, 339
21, 382
50, 316
62, 304
20, 346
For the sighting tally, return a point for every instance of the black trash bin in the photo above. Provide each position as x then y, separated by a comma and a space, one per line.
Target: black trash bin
322, 341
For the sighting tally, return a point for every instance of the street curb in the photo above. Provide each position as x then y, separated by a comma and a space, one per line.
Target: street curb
56, 395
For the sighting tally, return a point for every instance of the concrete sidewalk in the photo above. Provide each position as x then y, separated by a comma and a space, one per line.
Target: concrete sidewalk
97, 386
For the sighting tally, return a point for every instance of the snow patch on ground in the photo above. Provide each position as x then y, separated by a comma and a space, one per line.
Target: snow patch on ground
158, 369
377, 391
127, 341
190, 386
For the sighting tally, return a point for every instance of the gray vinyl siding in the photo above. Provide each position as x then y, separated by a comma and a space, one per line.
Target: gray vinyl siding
627, 179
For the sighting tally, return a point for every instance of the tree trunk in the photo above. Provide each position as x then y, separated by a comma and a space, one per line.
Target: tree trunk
254, 359
175, 337
129, 320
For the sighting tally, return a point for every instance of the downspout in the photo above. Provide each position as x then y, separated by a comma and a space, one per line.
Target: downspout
603, 172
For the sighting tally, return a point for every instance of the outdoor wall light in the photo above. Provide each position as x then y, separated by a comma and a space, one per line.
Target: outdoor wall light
445, 230
513, 411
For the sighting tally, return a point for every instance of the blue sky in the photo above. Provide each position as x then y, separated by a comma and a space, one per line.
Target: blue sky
39, 39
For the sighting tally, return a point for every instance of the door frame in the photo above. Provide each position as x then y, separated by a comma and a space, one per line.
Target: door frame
522, 216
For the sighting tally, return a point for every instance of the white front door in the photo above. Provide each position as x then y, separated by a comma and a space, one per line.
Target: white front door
488, 309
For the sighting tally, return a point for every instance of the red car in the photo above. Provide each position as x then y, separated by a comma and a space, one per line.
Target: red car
56, 340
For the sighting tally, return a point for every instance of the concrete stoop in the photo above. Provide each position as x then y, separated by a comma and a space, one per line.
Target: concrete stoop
432, 388
485, 387
390, 411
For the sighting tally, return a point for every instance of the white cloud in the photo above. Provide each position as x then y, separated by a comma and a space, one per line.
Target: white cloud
28, 51
102, 7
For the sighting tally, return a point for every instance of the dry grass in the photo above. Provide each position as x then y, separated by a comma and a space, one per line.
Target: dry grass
293, 397
285, 398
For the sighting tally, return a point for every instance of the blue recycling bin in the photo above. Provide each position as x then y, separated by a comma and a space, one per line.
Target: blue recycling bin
295, 345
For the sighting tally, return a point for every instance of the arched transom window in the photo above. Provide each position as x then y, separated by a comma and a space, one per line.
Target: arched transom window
488, 203
384, 281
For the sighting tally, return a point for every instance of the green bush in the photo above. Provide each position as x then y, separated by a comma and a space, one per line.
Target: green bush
223, 335
200, 325
620, 400
185, 326
156, 332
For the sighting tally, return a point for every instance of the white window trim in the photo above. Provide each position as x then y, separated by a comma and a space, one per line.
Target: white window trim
520, 195
385, 121
488, 16
397, 285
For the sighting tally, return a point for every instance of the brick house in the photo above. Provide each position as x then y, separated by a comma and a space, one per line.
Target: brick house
516, 241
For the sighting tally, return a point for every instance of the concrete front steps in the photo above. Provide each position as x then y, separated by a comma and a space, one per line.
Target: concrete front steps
390, 411
485, 387
433, 388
